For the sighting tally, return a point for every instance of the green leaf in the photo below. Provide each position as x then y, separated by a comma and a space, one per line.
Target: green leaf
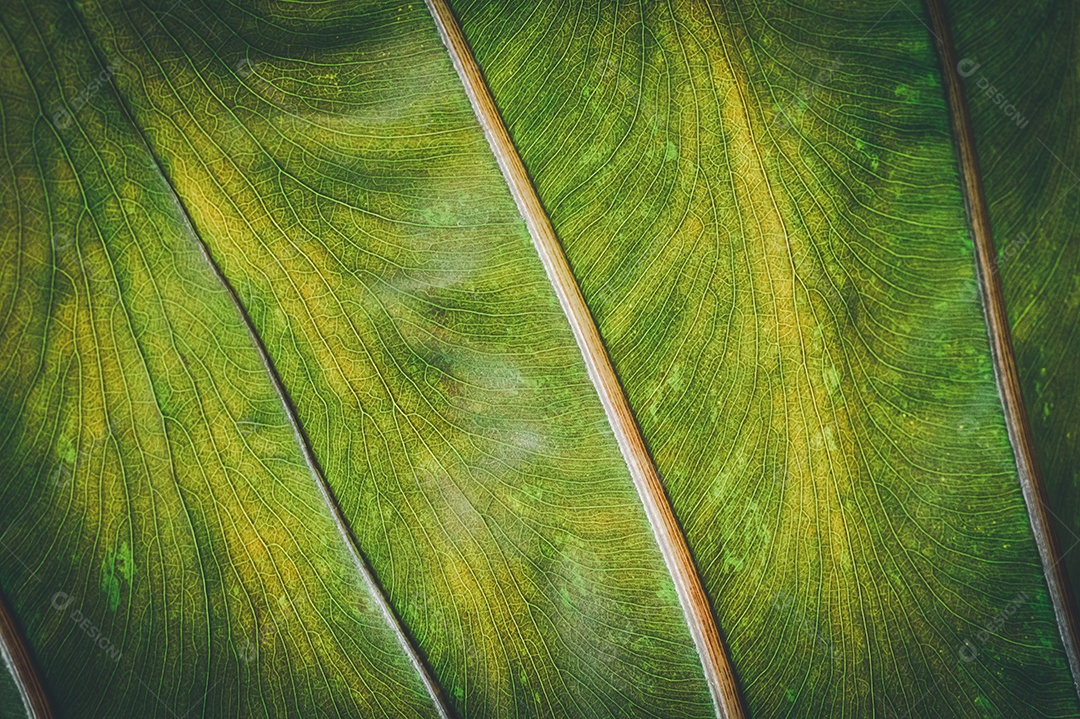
391, 282
306, 413
11, 704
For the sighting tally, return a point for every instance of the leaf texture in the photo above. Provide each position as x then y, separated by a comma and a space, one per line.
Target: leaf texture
293, 423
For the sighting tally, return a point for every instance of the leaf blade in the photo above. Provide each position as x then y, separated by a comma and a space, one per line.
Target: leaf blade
781, 276
1023, 104
124, 350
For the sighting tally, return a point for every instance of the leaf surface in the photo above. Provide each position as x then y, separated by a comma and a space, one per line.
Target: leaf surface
294, 423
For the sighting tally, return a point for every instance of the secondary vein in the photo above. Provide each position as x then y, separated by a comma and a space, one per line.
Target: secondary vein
368, 577
695, 604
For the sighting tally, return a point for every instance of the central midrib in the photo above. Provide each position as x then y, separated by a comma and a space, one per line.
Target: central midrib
715, 661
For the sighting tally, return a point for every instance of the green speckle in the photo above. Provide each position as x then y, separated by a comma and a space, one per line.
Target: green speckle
830, 439
733, 563
906, 93
832, 379
116, 568
667, 594
670, 152
675, 380
66, 450
438, 215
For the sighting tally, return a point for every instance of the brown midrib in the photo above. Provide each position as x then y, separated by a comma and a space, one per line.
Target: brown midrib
1001, 347
715, 661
